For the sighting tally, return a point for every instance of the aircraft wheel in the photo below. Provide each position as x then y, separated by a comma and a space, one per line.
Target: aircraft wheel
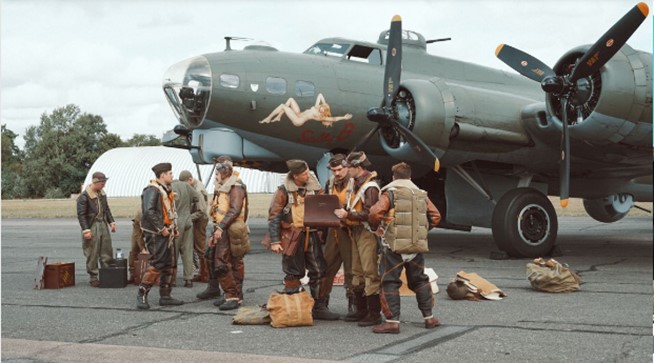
610, 209
524, 223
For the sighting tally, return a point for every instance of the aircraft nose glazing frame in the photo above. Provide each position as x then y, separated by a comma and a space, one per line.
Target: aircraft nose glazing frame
187, 86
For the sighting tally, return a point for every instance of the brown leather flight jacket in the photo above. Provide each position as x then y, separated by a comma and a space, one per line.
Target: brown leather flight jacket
280, 220
89, 203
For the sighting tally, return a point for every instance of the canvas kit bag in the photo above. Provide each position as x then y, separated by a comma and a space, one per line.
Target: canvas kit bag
471, 286
552, 276
290, 310
252, 315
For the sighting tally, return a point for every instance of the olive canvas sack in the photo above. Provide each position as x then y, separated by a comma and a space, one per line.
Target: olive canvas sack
290, 310
551, 276
251, 315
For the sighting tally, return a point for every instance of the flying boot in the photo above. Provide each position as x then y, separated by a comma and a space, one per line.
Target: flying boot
211, 292
374, 312
229, 304
320, 310
351, 304
361, 307
165, 299
292, 286
142, 298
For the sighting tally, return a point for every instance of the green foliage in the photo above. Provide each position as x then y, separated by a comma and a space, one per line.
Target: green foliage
54, 193
11, 154
61, 149
58, 153
143, 140
11, 165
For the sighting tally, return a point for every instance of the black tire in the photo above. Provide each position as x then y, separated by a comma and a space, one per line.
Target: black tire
601, 211
524, 223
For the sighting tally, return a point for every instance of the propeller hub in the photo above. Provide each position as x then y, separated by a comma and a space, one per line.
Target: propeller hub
556, 85
379, 115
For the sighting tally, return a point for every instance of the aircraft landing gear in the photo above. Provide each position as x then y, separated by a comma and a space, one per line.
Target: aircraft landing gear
609, 209
524, 223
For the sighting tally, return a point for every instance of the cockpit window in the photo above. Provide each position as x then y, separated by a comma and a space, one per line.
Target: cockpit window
304, 89
229, 80
328, 49
361, 53
276, 85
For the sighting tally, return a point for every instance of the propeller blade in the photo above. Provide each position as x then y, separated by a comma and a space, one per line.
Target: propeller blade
610, 43
523, 63
393, 61
564, 168
365, 138
418, 145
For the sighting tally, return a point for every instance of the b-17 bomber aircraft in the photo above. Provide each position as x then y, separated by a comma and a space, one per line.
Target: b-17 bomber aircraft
488, 145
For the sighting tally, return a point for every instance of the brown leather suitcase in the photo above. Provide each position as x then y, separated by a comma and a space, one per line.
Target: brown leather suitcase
319, 211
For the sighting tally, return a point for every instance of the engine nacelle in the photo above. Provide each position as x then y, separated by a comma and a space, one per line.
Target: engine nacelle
612, 106
427, 108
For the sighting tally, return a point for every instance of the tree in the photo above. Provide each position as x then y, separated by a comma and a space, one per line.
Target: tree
143, 140
62, 148
11, 165
11, 154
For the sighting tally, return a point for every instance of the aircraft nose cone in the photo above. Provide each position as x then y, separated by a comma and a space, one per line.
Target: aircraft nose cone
187, 86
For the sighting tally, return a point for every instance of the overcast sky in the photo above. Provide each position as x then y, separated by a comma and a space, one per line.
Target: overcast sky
109, 57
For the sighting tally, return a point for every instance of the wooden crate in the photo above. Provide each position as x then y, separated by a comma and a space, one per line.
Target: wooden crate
58, 275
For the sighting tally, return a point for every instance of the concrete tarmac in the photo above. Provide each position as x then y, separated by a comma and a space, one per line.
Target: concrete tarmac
606, 321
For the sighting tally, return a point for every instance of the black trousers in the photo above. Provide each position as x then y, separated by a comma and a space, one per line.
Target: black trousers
162, 256
391, 268
310, 258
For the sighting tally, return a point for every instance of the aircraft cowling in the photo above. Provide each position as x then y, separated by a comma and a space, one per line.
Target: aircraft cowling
427, 108
617, 106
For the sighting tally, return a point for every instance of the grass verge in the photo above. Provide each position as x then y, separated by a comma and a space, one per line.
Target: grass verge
259, 203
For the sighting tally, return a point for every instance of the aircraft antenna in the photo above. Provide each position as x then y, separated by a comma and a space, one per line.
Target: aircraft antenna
228, 40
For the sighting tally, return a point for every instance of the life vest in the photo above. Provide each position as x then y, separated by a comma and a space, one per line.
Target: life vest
406, 224
343, 194
295, 202
356, 199
222, 203
168, 204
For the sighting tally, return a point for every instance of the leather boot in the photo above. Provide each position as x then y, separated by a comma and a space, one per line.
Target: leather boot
211, 292
165, 299
431, 323
321, 311
374, 312
142, 298
361, 307
219, 301
230, 304
351, 304
292, 286
387, 327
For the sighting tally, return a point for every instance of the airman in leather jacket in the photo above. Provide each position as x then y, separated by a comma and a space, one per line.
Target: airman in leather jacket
88, 205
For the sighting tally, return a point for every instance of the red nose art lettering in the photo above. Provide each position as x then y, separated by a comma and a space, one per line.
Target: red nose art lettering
325, 137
